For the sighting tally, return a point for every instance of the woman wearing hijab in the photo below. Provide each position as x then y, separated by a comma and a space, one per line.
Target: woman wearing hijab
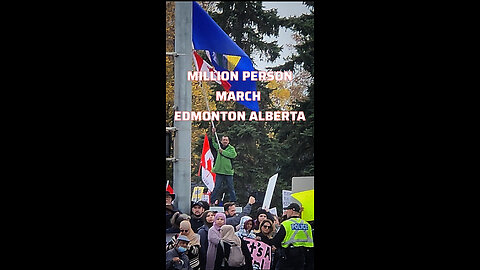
207, 217
193, 247
214, 237
245, 228
228, 240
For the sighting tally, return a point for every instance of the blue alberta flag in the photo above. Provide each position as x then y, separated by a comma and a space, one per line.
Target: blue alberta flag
224, 54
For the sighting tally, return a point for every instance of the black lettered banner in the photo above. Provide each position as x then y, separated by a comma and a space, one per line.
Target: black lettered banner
261, 253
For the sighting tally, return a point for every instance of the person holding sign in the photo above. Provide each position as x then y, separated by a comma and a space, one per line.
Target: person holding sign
265, 232
223, 168
292, 240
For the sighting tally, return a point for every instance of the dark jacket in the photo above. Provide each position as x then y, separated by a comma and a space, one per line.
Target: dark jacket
235, 220
196, 222
168, 215
203, 232
170, 265
221, 255
264, 238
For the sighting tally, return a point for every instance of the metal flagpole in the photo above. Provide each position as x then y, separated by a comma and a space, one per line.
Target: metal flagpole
183, 102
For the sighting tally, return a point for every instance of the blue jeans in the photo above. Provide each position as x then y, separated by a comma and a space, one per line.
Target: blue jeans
219, 183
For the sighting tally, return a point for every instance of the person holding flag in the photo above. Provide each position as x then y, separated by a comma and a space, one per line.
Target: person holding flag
223, 168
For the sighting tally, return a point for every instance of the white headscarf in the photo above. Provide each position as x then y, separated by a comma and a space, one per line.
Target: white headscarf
241, 231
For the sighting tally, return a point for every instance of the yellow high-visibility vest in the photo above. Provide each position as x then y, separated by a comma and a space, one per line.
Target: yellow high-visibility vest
298, 233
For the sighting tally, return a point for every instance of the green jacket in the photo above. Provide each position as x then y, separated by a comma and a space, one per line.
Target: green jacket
223, 165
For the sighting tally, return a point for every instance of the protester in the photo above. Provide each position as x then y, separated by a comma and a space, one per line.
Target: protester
214, 237
223, 168
207, 217
170, 211
292, 240
266, 232
193, 246
175, 221
261, 214
197, 210
176, 258
276, 223
231, 211
245, 228
225, 251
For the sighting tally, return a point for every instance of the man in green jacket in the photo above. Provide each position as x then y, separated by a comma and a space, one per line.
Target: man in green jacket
223, 168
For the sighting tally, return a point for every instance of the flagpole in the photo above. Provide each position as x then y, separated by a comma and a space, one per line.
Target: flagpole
183, 102
208, 108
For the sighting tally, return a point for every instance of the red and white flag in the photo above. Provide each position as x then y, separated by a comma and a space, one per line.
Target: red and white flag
202, 65
206, 165
169, 188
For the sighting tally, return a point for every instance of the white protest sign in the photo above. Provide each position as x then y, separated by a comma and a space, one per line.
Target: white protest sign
286, 198
206, 197
273, 211
269, 193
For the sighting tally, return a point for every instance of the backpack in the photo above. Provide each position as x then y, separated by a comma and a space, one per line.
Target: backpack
236, 258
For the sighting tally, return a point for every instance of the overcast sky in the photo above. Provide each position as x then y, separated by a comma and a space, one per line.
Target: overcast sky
284, 9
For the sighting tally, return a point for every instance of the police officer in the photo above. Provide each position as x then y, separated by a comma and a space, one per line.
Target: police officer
292, 240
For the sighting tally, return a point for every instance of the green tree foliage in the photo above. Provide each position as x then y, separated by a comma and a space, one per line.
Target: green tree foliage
248, 23
299, 135
303, 26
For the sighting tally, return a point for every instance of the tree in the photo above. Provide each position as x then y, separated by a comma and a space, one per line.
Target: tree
304, 28
247, 23
300, 161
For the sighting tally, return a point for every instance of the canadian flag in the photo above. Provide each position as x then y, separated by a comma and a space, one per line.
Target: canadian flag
201, 65
206, 165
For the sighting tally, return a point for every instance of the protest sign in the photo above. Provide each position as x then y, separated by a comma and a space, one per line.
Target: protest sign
261, 253
269, 193
286, 198
197, 194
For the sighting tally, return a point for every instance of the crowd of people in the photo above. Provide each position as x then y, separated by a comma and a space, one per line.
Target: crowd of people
210, 240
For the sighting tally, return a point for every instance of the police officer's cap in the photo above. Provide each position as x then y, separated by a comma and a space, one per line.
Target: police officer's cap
294, 206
